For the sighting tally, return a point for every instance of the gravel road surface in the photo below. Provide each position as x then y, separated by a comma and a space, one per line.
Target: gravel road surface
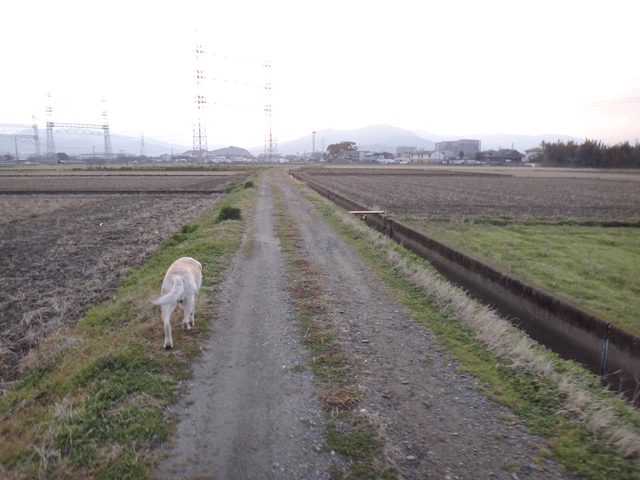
250, 414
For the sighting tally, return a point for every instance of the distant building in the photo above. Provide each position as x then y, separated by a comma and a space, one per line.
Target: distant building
505, 155
402, 151
468, 147
533, 152
427, 156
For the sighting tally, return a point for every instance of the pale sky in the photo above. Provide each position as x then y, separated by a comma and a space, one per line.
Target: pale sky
454, 67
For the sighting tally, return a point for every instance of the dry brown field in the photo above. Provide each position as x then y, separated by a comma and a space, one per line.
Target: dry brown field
61, 253
492, 191
88, 180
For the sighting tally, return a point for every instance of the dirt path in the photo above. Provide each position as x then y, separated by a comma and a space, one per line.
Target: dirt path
248, 414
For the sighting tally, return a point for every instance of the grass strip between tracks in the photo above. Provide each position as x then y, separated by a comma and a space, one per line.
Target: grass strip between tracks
348, 433
592, 432
92, 400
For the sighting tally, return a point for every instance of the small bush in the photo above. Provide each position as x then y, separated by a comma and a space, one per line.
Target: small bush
230, 213
174, 240
189, 228
248, 184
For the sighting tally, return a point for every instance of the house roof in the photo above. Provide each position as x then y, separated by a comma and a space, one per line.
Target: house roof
504, 153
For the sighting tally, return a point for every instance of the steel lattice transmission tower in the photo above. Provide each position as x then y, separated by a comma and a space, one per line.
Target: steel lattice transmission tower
36, 135
51, 146
105, 129
77, 128
20, 127
200, 150
270, 144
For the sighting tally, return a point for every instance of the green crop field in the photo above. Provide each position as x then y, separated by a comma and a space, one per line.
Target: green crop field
597, 267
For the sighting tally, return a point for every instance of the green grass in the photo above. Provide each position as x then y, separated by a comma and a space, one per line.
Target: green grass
597, 267
534, 398
92, 402
360, 443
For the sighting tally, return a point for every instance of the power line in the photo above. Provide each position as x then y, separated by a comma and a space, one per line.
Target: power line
242, 60
248, 107
606, 103
239, 83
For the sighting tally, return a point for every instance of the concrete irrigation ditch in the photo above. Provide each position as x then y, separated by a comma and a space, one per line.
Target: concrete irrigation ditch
607, 349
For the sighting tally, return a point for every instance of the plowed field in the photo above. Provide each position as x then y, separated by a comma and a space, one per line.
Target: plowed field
81, 181
60, 253
516, 191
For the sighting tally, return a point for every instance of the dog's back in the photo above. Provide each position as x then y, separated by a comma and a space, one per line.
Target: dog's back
188, 268
180, 287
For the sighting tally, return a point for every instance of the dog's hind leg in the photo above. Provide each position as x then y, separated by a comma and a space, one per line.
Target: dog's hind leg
189, 308
193, 310
166, 318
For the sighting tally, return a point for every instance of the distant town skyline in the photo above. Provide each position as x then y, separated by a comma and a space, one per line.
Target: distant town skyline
460, 68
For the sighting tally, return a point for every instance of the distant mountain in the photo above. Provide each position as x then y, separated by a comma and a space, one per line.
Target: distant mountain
376, 138
496, 141
152, 147
227, 151
76, 144
386, 138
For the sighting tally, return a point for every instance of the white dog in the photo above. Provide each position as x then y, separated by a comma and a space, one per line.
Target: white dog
180, 288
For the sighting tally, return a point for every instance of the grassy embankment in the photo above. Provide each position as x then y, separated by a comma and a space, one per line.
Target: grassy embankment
591, 431
91, 403
597, 267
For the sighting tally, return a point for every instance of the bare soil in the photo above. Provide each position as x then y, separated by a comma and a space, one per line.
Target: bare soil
86, 180
252, 413
516, 191
61, 253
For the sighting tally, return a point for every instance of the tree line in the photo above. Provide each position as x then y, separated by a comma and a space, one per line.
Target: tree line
591, 154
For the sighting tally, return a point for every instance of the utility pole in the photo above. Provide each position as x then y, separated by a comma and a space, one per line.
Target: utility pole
51, 147
36, 136
313, 144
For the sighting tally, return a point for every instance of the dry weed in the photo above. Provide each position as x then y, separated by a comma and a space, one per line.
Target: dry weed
342, 398
505, 341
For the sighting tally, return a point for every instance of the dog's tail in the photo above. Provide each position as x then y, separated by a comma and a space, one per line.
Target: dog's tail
174, 295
